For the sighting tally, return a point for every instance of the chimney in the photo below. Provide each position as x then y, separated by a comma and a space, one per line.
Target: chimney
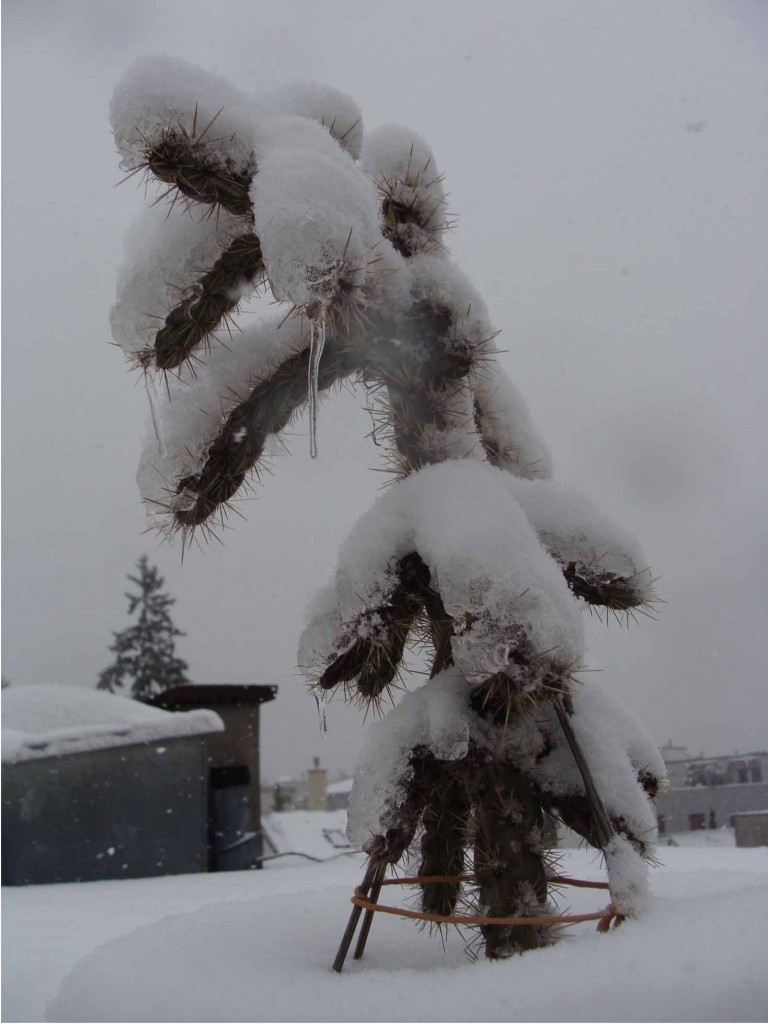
316, 783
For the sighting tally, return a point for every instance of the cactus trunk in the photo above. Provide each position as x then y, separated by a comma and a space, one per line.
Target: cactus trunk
509, 866
445, 837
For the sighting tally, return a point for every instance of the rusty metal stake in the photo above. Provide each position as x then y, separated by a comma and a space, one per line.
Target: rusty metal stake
368, 919
604, 831
349, 933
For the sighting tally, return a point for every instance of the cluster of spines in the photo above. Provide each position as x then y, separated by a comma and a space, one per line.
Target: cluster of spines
617, 595
192, 166
530, 679
413, 208
372, 661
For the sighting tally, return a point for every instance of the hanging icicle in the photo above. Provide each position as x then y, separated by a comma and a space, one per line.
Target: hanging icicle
321, 719
151, 387
316, 346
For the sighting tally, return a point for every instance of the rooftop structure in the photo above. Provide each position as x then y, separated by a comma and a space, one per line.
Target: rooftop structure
96, 786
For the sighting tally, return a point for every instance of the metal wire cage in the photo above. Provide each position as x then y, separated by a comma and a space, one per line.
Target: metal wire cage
365, 899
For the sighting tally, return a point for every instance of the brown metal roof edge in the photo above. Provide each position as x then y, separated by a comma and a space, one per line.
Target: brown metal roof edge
202, 694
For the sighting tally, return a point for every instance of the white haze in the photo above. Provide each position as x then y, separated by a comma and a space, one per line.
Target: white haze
608, 163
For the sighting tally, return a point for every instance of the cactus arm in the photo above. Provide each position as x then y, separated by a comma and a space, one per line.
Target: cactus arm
240, 443
214, 296
198, 173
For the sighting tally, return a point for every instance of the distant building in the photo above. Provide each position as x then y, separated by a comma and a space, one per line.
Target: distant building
289, 793
676, 762
304, 816
751, 828
308, 791
708, 792
97, 786
314, 835
337, 794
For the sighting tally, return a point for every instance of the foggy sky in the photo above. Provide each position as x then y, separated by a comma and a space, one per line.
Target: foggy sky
608, 165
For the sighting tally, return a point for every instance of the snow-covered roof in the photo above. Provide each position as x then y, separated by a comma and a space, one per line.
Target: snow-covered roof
49, 720
318, 834
342, 786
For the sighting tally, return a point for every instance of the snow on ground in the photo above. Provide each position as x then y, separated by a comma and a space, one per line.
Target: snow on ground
257, 946
722, 837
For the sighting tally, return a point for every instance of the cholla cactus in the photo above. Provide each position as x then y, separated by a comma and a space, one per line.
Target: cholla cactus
472, 550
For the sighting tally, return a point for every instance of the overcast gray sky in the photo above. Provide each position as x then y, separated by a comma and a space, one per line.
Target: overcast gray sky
608, 164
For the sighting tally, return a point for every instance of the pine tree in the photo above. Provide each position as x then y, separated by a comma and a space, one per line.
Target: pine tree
145, 652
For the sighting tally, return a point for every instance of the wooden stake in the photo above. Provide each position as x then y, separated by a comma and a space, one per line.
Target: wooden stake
354, 917
601, 822
368, 919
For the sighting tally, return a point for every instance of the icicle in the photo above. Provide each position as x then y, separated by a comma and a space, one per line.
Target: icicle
149, 381
321, 716
316, 346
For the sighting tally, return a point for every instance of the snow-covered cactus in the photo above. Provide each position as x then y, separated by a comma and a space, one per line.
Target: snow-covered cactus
473, 550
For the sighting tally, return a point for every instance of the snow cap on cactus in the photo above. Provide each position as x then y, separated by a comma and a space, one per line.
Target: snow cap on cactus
495, 579
620, 754
602, 561
413, 199
331, 108
315, 214
158, 95
510, 439
435, 717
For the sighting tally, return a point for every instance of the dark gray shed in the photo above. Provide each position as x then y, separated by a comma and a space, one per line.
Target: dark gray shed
96, 786
234, 827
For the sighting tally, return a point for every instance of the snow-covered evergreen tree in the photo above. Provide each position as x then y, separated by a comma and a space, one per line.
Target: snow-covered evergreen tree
145, 653
473, 551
